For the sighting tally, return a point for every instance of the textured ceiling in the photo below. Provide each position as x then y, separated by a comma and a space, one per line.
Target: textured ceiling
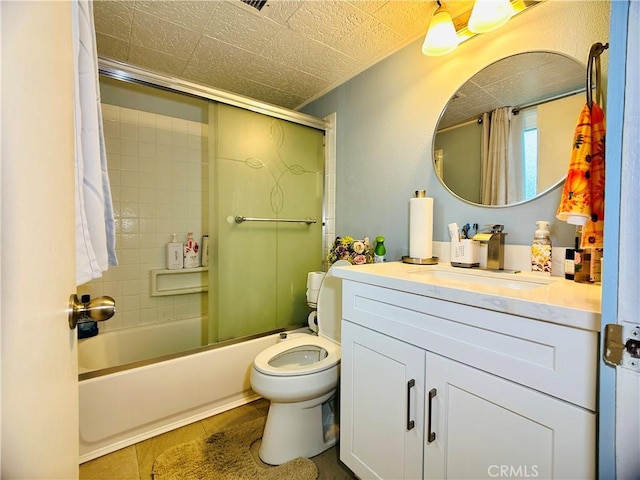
287, 54
516, 81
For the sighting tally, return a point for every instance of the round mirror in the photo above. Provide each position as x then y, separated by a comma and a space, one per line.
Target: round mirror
505, 137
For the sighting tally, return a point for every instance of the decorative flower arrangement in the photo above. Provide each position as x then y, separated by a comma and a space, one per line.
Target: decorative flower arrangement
354, 251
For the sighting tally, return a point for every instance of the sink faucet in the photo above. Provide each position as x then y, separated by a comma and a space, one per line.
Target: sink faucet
495, 246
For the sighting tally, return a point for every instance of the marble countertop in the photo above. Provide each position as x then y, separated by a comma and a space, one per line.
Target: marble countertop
526, 294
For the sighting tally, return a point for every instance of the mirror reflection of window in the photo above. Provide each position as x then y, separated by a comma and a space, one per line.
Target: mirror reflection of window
530, 151
552, 82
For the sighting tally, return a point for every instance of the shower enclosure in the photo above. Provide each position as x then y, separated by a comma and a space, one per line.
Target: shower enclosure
185, 158
186, 161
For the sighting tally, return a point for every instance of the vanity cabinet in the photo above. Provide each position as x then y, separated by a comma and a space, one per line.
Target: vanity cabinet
436, 389
488, 427
381, 404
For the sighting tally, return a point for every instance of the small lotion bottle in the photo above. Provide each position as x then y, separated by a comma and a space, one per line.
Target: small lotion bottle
191, 252
174, 254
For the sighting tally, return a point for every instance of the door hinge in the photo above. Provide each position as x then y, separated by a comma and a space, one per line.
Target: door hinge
621, 352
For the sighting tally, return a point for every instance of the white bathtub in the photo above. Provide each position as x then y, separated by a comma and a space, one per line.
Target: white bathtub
119, 347
128, 406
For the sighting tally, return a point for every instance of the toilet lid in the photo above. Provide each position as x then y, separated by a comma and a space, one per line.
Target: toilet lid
330, 304
263, 359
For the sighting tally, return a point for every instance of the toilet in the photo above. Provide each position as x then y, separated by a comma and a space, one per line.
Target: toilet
299, 376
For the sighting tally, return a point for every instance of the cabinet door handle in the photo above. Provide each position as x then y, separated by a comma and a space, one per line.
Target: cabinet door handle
410, 423
431, 435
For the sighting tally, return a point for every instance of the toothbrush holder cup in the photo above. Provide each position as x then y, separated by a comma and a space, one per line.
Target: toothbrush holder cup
465, 253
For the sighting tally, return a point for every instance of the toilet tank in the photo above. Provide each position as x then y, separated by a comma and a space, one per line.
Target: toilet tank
330, 305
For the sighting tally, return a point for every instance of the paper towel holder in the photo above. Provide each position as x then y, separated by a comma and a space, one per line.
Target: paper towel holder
415, 260
420, 261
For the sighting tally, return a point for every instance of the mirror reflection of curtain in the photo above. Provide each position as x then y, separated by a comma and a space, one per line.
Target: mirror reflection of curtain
501, 158
485, 181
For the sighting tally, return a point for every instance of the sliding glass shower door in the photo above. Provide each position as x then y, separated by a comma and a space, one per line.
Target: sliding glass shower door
263, 168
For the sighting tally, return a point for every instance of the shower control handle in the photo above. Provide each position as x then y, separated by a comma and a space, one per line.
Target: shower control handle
96, 310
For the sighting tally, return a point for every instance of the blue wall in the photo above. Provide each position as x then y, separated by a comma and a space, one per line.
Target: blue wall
386, 117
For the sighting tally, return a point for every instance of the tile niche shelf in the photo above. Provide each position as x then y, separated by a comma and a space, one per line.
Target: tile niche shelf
180, 281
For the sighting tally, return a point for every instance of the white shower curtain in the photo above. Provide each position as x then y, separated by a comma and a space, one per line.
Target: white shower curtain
95, 224
486, 174
501, 159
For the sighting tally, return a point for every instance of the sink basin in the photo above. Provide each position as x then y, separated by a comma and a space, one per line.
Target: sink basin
483, 278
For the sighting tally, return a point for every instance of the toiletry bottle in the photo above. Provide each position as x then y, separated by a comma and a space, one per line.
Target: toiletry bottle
569, 264
205, 251
541, 249
190, 252
380, 250
174, 254
595, 275
582, 258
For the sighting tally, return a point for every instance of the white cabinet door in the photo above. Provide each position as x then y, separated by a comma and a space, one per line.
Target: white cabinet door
382, 405
488, 427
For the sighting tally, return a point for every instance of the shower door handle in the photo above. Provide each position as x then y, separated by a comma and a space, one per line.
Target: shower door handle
96, 310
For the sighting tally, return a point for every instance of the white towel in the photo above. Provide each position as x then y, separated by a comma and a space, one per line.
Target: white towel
95, 224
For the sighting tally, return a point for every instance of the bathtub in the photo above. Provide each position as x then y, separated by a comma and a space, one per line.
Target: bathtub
128, 405
121, 347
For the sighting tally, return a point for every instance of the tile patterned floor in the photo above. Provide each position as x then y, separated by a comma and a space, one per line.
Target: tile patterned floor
135, 462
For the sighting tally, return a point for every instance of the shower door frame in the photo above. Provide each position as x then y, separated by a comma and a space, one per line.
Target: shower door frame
129, 73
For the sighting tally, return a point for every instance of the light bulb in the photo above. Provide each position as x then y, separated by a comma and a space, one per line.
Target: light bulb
488, 15
441, 37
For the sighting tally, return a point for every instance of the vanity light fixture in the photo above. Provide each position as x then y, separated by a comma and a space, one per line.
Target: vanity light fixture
488, 15
441, 36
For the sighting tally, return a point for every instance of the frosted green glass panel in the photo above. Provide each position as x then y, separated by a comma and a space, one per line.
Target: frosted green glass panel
265, 168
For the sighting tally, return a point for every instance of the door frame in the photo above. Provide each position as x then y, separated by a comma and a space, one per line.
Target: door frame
612, 241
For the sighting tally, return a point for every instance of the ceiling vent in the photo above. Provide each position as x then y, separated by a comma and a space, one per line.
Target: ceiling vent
257, 4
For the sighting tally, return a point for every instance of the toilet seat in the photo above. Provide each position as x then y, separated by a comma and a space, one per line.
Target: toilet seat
326, 344
263, 361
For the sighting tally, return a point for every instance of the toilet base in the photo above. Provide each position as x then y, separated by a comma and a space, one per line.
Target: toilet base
296, 430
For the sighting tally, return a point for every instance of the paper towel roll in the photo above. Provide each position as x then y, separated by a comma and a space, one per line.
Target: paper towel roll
314, 281
421, 227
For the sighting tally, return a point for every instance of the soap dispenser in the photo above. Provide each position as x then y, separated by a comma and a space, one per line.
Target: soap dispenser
541, 249
175, 254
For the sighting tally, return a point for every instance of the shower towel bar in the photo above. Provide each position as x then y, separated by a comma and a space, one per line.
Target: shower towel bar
308, 221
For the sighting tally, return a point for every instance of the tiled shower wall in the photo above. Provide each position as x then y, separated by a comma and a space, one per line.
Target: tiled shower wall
329, 198
158, 169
